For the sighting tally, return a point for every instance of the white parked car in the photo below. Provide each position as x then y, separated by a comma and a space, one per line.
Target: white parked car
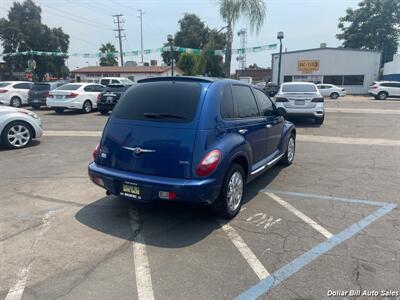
77, 96
301, 99
115, 80
18, 127
330, 90
14, 93
384, 89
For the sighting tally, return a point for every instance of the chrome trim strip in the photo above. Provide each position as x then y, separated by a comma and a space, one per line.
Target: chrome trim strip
275, 159
258, 170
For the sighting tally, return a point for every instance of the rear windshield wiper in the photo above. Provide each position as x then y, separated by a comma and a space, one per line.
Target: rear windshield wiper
163, 116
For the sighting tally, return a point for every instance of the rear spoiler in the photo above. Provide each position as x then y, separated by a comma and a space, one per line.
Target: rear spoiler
177, 78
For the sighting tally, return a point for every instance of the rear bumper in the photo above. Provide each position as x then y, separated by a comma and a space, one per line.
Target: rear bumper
317, 111
71, 104
187, 190
36, 101
105, 106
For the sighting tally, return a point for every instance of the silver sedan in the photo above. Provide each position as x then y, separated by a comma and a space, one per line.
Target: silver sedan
18, 127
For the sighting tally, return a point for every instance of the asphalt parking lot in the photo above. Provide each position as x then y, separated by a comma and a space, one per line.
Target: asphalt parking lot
328, 223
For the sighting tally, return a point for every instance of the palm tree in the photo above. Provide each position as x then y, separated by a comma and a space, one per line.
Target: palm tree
231, 11
109, 59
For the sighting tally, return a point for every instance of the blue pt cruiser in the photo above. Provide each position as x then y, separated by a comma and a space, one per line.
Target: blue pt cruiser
191, 139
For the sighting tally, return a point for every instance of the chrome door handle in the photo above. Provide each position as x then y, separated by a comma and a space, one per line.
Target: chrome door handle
268, 126
242, 131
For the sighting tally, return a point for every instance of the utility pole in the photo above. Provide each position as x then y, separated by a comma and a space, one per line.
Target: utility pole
119, 29
140, 16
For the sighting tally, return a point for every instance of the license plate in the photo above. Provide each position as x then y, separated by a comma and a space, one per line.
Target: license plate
36, 100
59, 97
299, 102
131, 190
109, 98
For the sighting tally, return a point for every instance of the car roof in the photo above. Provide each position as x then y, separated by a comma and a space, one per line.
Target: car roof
299, 82
178, 78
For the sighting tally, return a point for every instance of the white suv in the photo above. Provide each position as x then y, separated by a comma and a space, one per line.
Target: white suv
14, 93
384, 89
301, 99
330, 90
115, 80
81, 96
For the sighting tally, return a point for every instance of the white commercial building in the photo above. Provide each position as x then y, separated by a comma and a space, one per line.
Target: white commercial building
94, 74
352, 69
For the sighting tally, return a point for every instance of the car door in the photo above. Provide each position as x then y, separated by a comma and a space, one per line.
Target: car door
395, 89
23, 89
324, 90
274, 123
249, 123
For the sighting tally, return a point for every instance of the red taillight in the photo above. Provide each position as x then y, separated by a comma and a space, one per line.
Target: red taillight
373, 87
209, 163
281, 99
50, 95
96, 151
2, 91
72, 95
319, 99
97, 180
47, 94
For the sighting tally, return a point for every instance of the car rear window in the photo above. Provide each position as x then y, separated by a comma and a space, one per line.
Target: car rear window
4, 84
69, 87
117, 88
41, 87
298, 88
160, 101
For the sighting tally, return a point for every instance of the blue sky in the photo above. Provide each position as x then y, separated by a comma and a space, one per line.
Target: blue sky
306, 23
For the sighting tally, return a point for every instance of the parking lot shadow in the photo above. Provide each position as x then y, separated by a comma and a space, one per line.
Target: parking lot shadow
33, 143
162, 224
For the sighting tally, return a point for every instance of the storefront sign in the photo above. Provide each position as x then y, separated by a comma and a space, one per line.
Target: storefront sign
308, 66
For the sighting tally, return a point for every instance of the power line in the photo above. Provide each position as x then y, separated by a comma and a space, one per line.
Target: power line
141, 13
119, 23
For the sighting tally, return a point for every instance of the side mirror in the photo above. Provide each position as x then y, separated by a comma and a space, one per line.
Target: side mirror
280, 111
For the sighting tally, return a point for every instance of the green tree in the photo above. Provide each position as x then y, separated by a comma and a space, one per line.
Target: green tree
110, 58
193, 33
231, 11
209, 64
374, 25
23, 30
187, 63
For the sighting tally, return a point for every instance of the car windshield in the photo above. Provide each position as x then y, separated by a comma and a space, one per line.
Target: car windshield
116, 88
160, 101
4, 84
69, 87
126, 81
41, 87
298, 88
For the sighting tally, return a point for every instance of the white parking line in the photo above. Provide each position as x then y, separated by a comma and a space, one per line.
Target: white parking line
347, 140
246, 252
16, 291
142, 267
363, 111
299, 214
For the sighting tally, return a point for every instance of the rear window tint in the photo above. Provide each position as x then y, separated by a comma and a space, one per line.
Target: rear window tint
69, 87
298, 88
117, 88
41, 87
160, 101
4, 84
244, 101
227, 111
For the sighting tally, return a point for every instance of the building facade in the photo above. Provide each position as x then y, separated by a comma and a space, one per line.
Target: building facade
391, 70
352, 69
94, 74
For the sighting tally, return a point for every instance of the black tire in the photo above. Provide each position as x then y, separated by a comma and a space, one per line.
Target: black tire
87, 107
376, 97
59, 110
104, 112
220, 206
288, 158
35, 106
382, 95
334, 95
319, 120
27, 136
15, 101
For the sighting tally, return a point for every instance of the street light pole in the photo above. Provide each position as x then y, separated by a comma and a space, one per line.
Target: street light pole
170, 39
280, 37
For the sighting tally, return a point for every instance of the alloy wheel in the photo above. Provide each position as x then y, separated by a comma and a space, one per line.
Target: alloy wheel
18, 136
290, 149
235, 190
